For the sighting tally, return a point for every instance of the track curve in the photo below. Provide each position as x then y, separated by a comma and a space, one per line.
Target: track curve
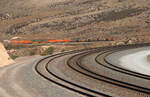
80, 73
76, 62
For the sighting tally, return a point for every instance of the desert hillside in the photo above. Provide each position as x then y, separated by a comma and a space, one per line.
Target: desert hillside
86, 19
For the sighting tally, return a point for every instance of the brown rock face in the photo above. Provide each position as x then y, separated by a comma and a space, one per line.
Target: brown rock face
4, 57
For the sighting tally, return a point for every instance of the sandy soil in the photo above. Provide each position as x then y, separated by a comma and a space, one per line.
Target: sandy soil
133, 59
137, 62
26, 58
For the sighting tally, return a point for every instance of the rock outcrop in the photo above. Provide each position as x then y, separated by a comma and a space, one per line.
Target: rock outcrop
4, 57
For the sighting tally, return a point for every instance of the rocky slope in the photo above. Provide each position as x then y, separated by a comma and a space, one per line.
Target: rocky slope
84, 19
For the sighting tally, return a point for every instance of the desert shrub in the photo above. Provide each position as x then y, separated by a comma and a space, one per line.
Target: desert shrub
32, 52
86, 48
48, 51
14, 56
14, 46
63, 50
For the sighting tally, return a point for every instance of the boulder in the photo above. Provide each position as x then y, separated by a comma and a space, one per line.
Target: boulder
120, 43
130, 42
4, 57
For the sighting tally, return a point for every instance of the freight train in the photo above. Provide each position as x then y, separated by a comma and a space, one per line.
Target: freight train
54, 41
34, 41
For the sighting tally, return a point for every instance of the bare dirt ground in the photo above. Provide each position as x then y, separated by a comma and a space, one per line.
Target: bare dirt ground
21, 59
84, 19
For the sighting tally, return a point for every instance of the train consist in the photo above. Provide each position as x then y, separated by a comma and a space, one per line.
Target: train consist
52, 41
34, 41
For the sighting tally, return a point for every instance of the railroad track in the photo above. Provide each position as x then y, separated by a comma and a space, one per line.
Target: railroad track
89, 73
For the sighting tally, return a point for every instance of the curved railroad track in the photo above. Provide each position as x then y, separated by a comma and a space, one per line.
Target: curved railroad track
89, 73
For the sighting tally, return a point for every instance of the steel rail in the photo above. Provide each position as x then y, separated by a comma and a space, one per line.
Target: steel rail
72, 89
105, 79
119, 83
